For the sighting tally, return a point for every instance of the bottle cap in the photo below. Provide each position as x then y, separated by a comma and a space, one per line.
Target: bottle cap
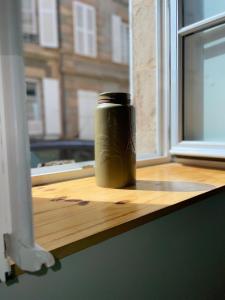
117, 98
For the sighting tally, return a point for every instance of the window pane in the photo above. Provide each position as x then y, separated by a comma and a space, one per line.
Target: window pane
197, 10
79, 16
204, 85
61, 107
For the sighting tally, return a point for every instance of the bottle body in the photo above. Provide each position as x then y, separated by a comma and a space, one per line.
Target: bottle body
115, 155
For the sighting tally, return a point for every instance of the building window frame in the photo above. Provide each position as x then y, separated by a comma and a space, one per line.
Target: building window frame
179, 146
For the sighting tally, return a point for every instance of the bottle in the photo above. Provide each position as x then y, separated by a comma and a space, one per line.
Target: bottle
115, 156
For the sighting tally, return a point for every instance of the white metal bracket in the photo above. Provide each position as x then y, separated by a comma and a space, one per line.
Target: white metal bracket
4, 262
28, 258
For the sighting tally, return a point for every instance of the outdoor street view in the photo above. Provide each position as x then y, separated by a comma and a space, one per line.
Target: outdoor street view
73, 50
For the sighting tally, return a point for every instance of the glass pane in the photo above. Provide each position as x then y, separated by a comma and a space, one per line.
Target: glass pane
31, 89
197, 10
204, 85
27, 5
79, 16
70, 78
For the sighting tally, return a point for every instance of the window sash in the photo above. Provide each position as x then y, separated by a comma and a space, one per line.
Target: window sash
202, 25
178, 33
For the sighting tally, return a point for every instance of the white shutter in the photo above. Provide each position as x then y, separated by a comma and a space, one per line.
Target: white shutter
90, 31
125, 43
84, 29
79, 27
86, 109
116, 39
29, 20
52, 107
48, 23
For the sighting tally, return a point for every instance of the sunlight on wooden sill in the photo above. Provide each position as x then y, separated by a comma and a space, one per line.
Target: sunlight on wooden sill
76, 212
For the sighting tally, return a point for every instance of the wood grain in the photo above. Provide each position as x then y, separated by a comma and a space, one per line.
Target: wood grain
73, 215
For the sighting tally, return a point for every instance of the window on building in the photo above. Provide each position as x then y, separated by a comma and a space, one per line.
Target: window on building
29, 20
120, 40
40, 22
84, 16
34, 108
198, 45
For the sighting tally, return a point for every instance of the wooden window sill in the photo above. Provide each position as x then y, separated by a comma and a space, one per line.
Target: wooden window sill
72, 215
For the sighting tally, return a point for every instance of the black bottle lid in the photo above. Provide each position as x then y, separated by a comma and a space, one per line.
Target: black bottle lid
112, 97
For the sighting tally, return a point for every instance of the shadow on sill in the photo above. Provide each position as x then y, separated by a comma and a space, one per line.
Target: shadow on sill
170, 186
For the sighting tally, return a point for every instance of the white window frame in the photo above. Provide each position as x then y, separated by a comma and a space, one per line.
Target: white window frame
76, 28
178, 145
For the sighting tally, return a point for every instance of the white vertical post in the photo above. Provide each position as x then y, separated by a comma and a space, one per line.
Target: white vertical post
16, 231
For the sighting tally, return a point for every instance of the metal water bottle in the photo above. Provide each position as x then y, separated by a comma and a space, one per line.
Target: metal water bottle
115, 155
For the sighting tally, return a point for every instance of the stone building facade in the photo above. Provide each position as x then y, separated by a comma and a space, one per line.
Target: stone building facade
145, 75
73, 50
